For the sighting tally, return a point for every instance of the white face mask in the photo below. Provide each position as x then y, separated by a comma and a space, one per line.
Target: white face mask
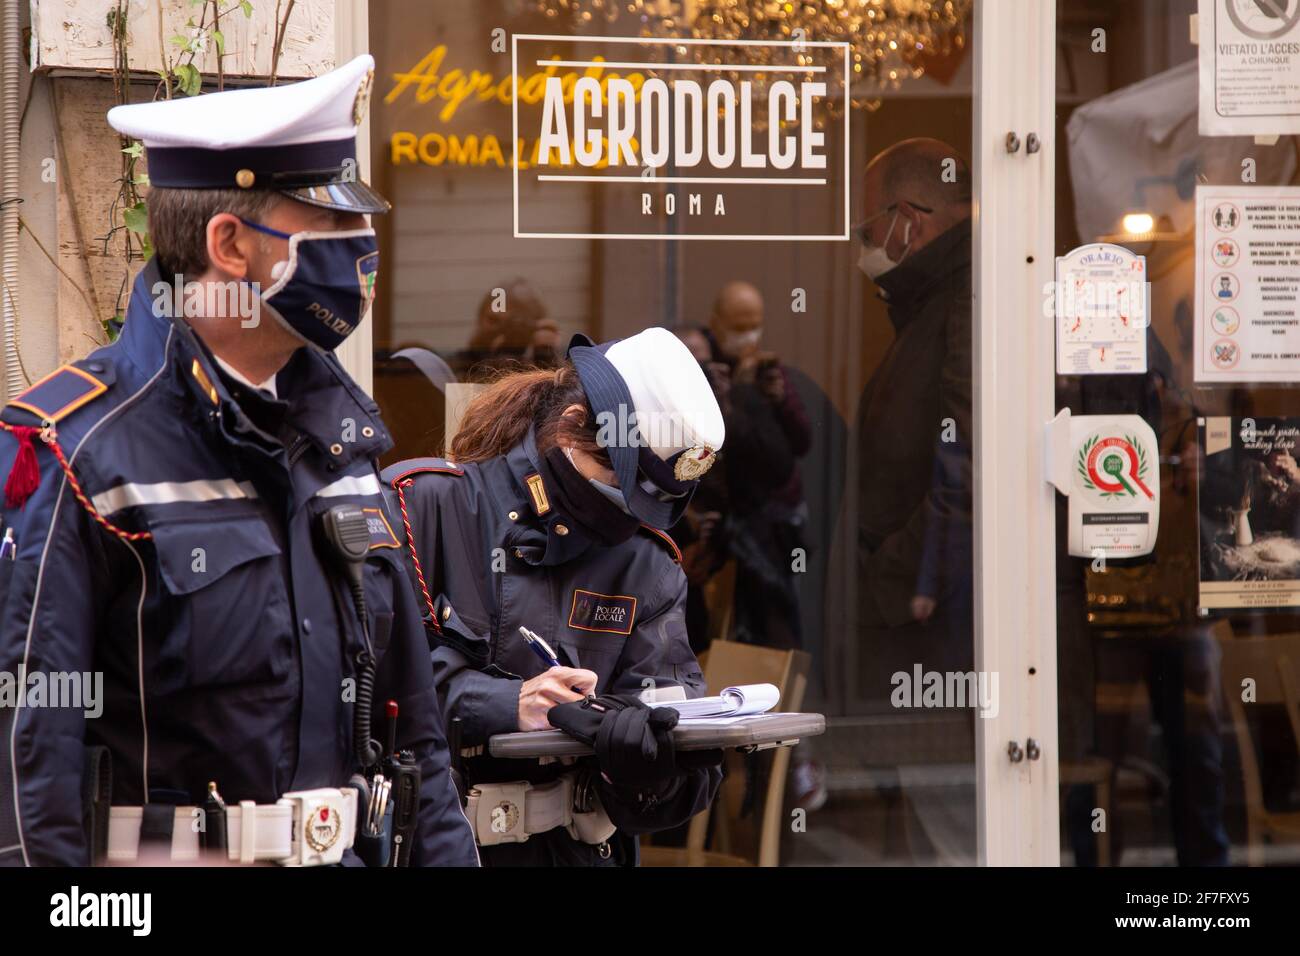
737, 343
875, 261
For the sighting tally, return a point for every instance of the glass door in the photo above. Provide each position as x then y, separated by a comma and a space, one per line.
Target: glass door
1179, 669
816, 242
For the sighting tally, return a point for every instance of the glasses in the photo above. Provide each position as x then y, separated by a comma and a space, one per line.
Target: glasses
861, 229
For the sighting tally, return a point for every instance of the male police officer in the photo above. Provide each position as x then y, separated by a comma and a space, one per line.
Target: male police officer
174, 499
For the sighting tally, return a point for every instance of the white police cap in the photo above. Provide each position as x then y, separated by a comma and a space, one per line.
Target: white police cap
676, 410
679, 426
298, 139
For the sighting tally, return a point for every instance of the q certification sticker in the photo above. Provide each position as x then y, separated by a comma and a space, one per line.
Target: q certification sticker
1116, 482
1109, 468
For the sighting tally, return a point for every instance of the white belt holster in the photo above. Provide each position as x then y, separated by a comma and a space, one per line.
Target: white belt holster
304, 828
512, 812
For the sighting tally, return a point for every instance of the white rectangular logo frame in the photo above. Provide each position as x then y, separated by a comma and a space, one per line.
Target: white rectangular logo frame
669, 41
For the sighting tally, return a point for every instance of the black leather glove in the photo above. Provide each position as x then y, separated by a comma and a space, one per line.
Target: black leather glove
633, 741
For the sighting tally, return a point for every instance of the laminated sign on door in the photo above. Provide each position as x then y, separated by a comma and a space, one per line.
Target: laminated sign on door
1109, 468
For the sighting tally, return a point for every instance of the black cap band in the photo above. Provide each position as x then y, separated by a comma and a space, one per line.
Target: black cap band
271, 167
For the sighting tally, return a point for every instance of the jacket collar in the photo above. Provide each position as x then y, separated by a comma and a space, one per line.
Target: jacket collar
931, 271
319, 398
536, 535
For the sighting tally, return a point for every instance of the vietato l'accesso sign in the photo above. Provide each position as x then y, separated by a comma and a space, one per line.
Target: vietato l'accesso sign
679, 142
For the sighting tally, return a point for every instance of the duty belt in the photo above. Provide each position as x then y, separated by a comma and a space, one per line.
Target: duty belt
512, 812
304, 828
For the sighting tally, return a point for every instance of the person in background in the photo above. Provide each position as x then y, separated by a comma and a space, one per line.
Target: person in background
914, 417
769, 430
780, 570
913, 447
512, 328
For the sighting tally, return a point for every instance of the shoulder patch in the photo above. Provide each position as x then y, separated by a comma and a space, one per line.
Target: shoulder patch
419, 466
59, 394
666, 540
381, 532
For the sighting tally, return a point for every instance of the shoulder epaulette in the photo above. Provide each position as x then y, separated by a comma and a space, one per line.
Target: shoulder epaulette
58, 394
402, 470
666, 540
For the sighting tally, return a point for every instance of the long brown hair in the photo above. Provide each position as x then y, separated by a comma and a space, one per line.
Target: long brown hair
499, 417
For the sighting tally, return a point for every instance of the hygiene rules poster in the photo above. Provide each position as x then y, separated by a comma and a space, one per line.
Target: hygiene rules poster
1249, 506
1247, 284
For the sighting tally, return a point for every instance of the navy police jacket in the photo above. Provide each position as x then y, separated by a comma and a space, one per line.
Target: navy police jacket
495, 555
225, 637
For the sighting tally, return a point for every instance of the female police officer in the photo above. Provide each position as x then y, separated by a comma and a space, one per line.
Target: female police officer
551, 519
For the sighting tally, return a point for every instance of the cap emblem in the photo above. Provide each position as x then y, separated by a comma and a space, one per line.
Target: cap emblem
693, 463
244, 179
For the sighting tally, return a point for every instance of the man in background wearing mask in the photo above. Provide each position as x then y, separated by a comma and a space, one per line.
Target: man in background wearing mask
765, 513
914, 417
168, 497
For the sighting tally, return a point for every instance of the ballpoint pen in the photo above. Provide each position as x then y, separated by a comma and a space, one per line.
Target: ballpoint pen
540, 647
544, 652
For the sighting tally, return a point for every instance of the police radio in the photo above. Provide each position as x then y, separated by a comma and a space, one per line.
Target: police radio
345, 531
391, 794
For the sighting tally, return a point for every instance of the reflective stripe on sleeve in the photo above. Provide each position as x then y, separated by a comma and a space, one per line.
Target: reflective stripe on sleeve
167, 492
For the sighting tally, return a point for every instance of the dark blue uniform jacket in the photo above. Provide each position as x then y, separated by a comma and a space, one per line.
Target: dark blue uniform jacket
492, 562
226, 639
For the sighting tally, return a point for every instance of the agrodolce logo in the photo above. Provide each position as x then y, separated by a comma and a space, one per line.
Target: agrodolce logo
682, 138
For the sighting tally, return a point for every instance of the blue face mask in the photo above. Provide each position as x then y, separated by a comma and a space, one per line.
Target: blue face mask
327, 284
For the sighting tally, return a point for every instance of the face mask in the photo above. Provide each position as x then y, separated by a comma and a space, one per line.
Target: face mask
324, 289
589, 507
875, 261
737, 343
609, 491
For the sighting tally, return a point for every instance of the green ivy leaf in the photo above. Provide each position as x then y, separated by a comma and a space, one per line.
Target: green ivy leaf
180, 41
135, 150
219, 39
246, 7
136, 219
189, 78
141, 180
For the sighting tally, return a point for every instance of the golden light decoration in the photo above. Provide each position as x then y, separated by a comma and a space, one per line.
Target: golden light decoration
888, 39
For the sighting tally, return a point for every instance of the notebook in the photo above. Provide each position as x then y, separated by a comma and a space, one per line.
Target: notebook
741, 701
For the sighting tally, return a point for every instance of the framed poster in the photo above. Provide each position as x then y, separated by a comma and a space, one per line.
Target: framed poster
1249, 509
1247, 295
